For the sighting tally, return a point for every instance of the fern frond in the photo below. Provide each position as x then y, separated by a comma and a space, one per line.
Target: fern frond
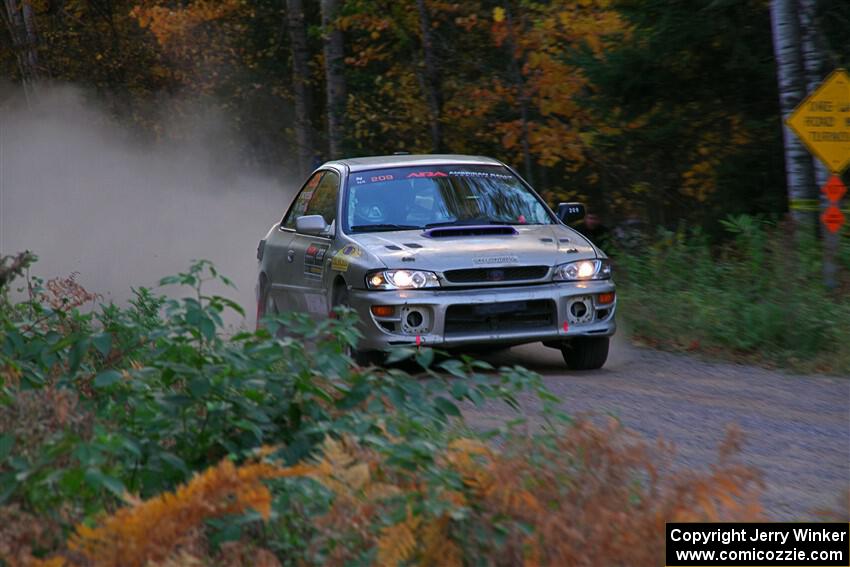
398, 542
151, 530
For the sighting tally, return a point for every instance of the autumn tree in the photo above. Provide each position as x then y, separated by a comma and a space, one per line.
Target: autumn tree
686, 113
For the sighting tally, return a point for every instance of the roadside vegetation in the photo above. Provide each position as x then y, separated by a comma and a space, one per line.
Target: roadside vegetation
756, 297
141, 435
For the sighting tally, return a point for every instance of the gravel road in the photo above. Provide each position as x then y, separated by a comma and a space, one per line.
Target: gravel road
797, 427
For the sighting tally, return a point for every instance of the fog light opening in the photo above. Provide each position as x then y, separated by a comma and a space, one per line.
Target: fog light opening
578, 310
414, 319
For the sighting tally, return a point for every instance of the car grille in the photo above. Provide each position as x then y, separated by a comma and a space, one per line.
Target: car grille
492, 275
537, 314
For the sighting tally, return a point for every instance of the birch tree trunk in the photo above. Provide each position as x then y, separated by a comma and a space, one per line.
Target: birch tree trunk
20, 22
790, 70
431, 82
300, 84
334, 53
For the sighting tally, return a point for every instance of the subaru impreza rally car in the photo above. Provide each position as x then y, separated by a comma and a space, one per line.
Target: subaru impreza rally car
439, 250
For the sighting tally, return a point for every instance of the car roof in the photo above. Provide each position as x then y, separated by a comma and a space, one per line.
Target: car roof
407, 160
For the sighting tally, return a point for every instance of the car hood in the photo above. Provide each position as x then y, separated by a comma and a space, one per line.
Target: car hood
547, 245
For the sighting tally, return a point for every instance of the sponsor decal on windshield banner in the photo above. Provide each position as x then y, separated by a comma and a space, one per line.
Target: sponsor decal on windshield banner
401, 173
313, 258
763, 544
343, 257
488, 174
427, 174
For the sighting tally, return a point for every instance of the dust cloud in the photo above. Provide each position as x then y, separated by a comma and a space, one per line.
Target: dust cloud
85, 196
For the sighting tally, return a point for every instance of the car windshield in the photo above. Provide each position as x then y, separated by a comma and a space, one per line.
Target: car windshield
424, 197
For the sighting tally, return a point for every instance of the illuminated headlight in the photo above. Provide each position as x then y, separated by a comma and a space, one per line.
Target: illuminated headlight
583, 270
402, 279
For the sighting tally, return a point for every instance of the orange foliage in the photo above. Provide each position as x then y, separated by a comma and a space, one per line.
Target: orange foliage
542, 37
169, 24
153, 530
594, 496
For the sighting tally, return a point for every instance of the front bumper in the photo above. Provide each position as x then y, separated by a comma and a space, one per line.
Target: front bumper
384, 332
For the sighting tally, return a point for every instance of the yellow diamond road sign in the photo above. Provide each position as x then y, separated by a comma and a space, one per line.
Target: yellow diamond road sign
823, 121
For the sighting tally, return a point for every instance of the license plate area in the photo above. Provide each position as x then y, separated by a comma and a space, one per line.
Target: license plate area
502, 317
485, 309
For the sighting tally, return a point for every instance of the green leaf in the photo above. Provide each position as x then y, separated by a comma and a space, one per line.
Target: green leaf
72, 480
98, 479
460, 389
107, 378
8, 485
446, 406
103, 343
174, 461
199, 387
399, 354
425, 357
207, 328
6, 443
75, 357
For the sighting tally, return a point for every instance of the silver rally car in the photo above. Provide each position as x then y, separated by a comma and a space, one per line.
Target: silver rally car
439, 250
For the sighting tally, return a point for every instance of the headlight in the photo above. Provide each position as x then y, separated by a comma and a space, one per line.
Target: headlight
583, 270
401, 279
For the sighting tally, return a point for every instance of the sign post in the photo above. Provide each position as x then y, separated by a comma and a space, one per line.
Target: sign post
822, 121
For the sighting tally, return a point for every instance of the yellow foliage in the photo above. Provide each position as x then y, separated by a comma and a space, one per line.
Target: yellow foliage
168, 24
398, 542
150, 531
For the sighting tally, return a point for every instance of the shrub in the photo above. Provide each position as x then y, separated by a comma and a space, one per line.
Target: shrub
153, 438
759, 296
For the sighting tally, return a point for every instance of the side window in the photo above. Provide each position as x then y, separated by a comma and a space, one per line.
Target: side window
299, 207
324, 199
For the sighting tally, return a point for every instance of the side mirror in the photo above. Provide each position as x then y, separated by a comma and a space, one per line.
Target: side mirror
311, 224
570, 212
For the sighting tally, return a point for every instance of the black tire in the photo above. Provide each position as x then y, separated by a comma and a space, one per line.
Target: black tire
585, 353
360, 357
265, 305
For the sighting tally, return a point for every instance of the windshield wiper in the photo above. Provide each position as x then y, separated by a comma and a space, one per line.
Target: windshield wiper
382, 227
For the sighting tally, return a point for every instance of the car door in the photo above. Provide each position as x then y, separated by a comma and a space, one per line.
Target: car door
280, 255
308, 255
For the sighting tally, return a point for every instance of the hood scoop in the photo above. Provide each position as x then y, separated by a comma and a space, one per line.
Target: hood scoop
470, 230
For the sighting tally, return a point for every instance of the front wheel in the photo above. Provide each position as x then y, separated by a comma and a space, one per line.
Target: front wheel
585, 353
265, 302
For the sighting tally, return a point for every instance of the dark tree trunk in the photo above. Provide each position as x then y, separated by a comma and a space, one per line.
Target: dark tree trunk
335, 79
522, 96
20, 22
431, 81
816, 69
301, 84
